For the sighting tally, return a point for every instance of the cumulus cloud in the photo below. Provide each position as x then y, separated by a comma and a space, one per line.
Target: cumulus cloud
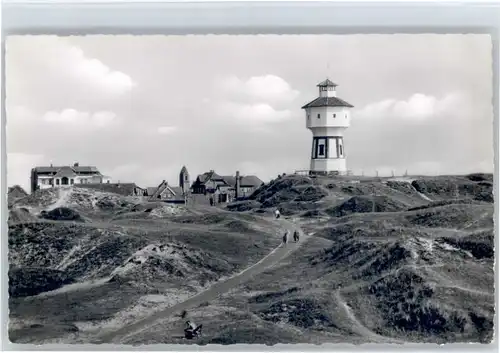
255, 102
58, 54
62, 71
268, 88
93, 71
19, 168
423, 134
72, 116
417, 107
252, 113
19, 116
166, 130
30, 131
404, 115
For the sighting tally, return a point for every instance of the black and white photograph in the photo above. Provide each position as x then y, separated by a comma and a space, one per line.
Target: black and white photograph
250, 189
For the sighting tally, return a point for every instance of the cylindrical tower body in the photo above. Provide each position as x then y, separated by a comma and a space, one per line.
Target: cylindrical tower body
328, 117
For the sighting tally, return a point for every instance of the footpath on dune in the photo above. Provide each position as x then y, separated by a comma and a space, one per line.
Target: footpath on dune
359, 327
214, 291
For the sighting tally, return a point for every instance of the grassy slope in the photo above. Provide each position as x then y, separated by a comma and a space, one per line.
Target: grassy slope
385, 264
140, 263
413, 270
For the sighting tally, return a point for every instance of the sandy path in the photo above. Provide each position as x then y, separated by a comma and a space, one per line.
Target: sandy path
211, 293
360, 328
64, 194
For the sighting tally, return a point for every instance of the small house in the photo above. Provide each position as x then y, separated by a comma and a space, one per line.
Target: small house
166, 193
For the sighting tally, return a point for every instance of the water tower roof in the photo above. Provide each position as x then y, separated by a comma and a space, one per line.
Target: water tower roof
327, 83
327, 102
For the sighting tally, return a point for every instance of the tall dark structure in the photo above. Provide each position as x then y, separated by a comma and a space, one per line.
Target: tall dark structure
237, 186
184, 180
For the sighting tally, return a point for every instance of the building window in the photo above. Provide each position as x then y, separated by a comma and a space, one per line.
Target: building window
340, 150
81, 181
320, 147
334, 115
346, 116
57, 181
72, 181
319, 116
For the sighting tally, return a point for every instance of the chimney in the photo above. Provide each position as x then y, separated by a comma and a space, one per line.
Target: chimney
237, 186
76, 164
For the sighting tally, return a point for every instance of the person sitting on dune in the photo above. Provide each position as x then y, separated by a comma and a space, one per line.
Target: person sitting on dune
192, 330
190, 325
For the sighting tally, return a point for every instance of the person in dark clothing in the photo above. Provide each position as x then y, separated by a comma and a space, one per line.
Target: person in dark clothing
285, 238
192, 330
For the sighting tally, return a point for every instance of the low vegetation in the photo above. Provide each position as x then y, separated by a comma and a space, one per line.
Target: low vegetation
382, 260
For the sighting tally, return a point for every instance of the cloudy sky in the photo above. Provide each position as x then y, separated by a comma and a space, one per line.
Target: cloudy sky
140, 107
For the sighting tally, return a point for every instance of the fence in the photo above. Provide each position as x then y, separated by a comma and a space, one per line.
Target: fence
369, 173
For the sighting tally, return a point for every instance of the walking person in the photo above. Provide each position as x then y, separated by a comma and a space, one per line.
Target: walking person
285, 238
277, 213
296, 236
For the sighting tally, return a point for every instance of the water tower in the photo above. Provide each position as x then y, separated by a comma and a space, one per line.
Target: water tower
328, 117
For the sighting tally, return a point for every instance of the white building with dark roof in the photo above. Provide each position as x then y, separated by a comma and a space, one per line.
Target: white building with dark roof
328, 117
51, 176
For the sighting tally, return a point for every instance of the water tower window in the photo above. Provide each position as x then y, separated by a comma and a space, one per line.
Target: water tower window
323, 88
319, 116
